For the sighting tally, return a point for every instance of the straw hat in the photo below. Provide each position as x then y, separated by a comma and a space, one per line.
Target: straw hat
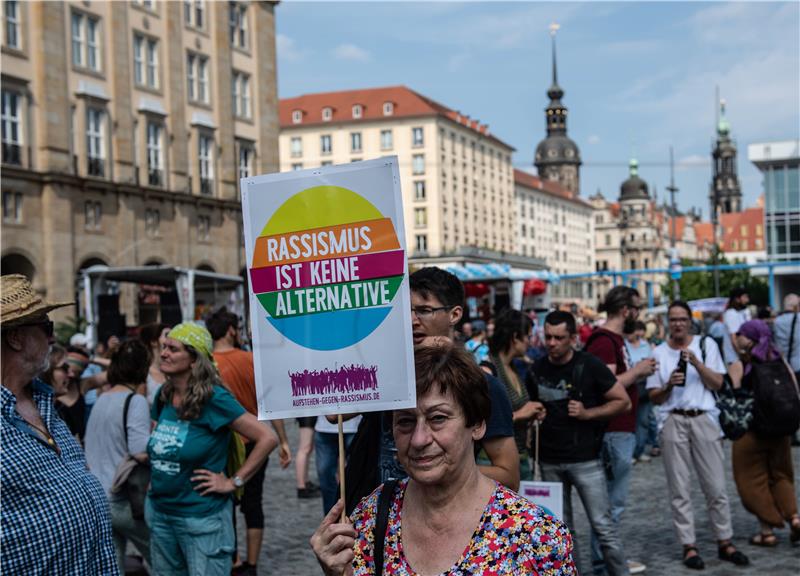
19, 302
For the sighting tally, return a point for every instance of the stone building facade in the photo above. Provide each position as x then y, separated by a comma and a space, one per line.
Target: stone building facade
126, 126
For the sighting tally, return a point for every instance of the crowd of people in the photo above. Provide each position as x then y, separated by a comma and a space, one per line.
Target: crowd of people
149, 440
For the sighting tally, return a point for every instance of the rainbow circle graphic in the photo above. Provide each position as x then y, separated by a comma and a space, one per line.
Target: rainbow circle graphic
326, 268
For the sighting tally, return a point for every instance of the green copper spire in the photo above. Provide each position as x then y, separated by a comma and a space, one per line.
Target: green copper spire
723, 127
634, 167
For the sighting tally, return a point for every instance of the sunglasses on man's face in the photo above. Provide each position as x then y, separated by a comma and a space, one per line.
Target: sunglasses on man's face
47, 326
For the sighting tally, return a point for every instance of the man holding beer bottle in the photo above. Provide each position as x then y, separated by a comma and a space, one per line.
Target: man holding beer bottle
690, 369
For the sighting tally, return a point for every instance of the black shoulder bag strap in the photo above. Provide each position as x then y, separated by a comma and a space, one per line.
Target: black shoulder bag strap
125, 420
791, 337
382, 523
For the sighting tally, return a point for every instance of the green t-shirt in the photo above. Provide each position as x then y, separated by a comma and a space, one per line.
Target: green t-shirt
179, 447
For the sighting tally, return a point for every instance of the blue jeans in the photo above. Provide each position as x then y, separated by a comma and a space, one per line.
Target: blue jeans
124, 528
191, 546
617, 459
646, 428
326, 446
590, 481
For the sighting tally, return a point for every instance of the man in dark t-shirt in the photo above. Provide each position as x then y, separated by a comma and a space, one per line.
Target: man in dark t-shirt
606, 343
580, 394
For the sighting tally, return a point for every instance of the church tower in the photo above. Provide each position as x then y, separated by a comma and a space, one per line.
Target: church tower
725, 195
557, 156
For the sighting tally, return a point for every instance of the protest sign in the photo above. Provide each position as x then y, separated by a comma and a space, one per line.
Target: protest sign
329, 298
548, 495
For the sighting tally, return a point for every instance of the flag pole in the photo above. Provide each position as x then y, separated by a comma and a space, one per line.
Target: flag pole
341, 467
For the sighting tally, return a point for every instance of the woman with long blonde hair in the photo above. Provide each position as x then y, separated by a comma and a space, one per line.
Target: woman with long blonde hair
189, 506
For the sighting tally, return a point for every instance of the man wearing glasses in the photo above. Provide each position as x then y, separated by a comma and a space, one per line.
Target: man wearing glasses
690, 369
47, 487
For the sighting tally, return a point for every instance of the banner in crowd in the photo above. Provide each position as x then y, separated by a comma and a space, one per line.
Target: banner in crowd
548, 495
329, 298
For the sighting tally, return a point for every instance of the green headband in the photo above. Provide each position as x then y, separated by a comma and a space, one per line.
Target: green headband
194, 335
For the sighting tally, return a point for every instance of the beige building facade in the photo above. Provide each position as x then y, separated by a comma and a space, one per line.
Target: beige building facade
126, 126
456, 177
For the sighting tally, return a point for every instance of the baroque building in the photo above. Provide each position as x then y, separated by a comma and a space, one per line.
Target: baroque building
557, 157
725, 195
126, 128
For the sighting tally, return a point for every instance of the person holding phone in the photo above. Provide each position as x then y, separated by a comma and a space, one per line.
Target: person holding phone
690, 369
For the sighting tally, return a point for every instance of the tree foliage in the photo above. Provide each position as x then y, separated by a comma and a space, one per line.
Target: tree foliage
696, 285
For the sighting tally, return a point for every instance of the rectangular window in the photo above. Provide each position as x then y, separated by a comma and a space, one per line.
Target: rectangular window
386, 140
93, 214
297, 146
12, 207
12, 27
298, 166
152, 222
417, 137
241, 95
12, 127
155, 154
203, 227
355, 141
197, 78
193, 13
421, 242
145, 61
85, 41
418, 164
419, 190
420, 218
205, 156
238, 25
95, 141
246, 154
325, 144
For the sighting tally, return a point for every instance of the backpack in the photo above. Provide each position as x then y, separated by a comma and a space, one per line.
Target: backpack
776, 410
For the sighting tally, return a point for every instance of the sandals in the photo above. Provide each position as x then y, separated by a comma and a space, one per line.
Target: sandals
693, 562
764, 539
794, 526
728, 552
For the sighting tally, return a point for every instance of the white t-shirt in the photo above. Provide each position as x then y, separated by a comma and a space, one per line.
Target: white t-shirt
694, 395
348, 426
735, 318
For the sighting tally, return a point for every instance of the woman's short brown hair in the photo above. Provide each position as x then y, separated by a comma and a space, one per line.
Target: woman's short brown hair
130, 363
453, 370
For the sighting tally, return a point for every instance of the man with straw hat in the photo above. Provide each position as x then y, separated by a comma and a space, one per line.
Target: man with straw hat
54, 516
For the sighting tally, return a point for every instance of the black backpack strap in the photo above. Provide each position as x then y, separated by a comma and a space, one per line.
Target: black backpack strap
791, 337
125, 419
382, 523
703, 348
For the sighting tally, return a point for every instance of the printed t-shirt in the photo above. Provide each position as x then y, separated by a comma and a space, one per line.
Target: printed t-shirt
693, 395
564, 439
236, 369
513, 537
179, 447
610, 348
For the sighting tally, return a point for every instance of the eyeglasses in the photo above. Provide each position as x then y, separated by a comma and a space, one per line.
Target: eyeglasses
426, 312
47, 326
63, 367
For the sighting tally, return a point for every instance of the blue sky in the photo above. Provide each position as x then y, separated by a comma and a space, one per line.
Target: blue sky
639, 77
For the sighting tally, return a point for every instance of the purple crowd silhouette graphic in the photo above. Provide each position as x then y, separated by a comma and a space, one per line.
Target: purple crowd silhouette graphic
346, 379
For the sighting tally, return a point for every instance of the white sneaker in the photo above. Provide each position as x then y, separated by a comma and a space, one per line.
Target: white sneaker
635, 567
644, 458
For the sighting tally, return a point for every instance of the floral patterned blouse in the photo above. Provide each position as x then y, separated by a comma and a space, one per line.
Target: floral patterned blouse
514, 537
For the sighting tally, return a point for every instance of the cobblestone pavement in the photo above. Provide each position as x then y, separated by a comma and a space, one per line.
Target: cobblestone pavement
646, 528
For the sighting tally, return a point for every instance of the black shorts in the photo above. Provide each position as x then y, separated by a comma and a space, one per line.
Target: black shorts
251, 503
307, 421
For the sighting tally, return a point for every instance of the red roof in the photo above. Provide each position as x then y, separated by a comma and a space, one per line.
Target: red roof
405, 103
550, 187
739, 230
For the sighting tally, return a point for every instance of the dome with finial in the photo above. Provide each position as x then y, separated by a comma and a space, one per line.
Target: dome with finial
634, 188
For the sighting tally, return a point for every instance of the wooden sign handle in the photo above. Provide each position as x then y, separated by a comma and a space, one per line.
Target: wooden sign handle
341, 466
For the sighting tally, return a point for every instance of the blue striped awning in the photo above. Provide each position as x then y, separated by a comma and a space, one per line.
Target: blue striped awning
479, 272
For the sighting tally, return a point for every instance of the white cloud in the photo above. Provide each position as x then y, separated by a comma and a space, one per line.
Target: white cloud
593, 139
692, 161
287, 49
351, 52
